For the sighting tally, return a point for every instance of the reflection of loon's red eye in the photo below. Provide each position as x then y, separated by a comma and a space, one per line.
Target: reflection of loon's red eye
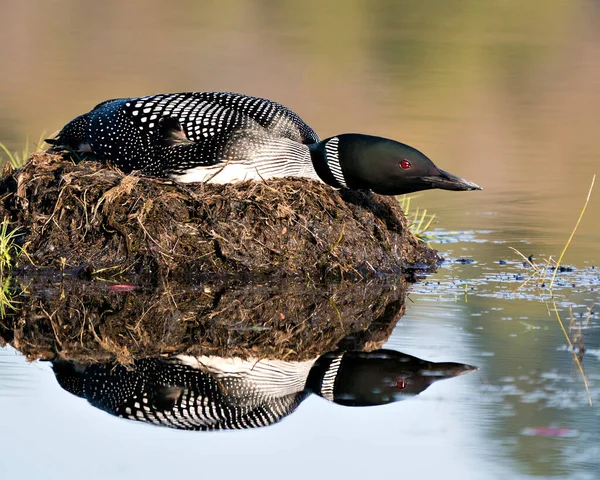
401, 384
405, 164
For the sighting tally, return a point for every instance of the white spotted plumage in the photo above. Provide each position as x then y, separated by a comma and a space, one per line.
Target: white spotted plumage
214, 136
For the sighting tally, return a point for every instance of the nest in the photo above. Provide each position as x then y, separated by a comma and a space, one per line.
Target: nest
91, 322
94, 220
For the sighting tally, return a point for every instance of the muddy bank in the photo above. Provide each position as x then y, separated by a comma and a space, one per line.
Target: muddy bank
99, 322
92, 219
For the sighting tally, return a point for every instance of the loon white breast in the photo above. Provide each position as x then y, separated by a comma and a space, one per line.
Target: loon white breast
222, 137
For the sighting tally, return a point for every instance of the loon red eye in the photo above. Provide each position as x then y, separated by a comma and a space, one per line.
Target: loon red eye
405, 164
401, 384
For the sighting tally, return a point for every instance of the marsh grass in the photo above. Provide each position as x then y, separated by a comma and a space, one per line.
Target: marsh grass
7, 297
9, 253
420, 220
540, 274
18, 159
9, 250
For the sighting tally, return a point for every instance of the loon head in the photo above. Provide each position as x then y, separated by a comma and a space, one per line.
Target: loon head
385, 166
379, 377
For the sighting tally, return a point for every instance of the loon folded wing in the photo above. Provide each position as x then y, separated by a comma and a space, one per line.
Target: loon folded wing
203, 115
274, 117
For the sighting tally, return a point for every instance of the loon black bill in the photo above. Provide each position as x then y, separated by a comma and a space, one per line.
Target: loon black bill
447, 181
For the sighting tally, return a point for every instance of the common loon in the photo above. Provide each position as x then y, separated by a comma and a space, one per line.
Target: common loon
216, 393
223, 137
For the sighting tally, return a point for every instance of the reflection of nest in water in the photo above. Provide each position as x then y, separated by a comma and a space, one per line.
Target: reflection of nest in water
93, 218
86, 322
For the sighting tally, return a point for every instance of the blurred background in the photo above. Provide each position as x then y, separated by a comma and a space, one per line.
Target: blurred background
504, 93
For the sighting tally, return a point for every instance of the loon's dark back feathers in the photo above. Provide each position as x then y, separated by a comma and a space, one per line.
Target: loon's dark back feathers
173, 134
205, 114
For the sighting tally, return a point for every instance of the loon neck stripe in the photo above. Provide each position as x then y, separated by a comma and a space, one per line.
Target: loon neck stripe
321, 165
328, 384
333, 161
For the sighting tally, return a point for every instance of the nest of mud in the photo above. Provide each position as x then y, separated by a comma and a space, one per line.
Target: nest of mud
90, 218
90, 322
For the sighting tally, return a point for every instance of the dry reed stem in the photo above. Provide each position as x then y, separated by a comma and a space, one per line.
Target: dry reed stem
556, 268
575, 357
572, 233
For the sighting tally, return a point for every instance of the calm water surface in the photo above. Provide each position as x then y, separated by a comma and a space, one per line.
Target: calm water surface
505, 94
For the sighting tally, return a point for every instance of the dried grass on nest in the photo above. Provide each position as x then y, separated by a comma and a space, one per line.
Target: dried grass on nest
85, 322
94, 218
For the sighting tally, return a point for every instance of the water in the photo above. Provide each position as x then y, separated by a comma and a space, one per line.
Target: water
504, 94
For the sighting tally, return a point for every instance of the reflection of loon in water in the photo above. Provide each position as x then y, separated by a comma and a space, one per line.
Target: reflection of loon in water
213, 393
